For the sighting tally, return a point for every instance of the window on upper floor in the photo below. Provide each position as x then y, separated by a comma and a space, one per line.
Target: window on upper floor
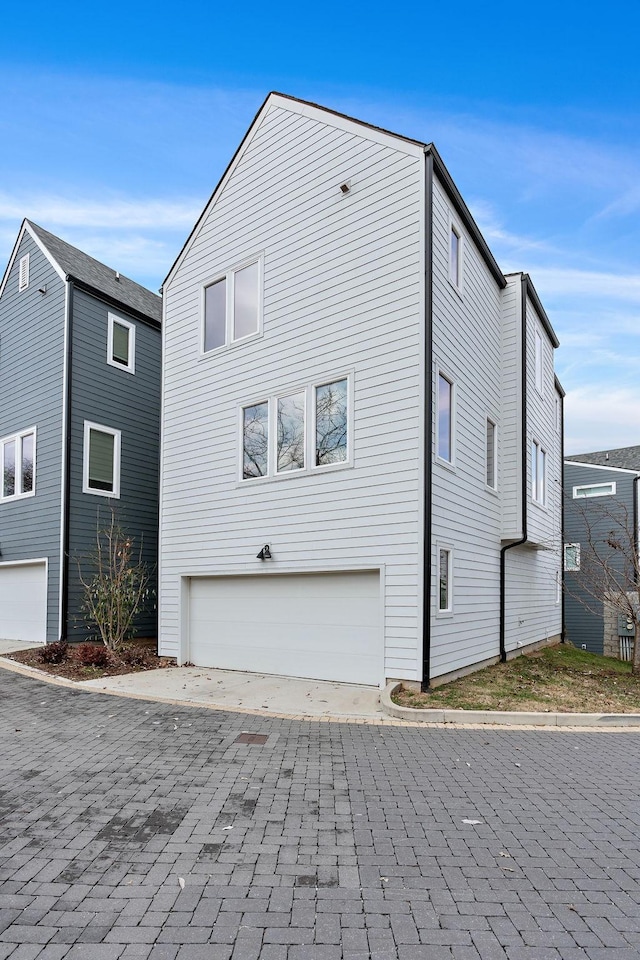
121, 343
444, 419
595, 490
455, 256
276, 438
538, 473
491, 456
445, 580
571, 557
17, 465
23, 272
101, 460
539, 363
232, 307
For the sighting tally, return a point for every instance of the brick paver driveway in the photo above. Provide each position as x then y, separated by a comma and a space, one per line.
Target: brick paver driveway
139, 830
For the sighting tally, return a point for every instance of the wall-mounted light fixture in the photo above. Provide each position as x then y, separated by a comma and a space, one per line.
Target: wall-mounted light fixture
345, 187
265, 553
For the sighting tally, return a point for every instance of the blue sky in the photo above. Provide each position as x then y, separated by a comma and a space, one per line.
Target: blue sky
116, 123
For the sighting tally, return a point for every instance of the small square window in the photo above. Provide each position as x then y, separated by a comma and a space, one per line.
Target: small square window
571, 557
101, 460
23, 272
121, 344
17, 465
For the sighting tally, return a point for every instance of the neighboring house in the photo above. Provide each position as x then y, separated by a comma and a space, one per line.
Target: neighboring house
601, 493
352, 382
80, 357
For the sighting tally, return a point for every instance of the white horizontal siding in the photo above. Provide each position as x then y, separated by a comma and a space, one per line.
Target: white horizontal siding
466, 516
342, 294
511, 433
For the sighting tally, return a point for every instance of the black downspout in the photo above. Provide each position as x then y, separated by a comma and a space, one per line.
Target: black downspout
64, 573
428, 423
523, 454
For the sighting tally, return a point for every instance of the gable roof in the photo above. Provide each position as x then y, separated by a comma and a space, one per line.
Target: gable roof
626, 458
307, 107
95, 276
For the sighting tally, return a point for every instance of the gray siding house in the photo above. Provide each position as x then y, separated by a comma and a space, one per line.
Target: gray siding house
80, 358
366, 410
601, 494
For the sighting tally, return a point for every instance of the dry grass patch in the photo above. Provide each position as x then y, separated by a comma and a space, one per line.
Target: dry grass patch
558, 679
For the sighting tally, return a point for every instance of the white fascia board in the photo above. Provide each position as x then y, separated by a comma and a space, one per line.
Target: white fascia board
25, 228
328, 117
600, 466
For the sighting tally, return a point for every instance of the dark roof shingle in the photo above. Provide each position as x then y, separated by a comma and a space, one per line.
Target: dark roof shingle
628, 458
80, 266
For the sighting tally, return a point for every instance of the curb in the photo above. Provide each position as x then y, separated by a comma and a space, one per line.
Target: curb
505, 718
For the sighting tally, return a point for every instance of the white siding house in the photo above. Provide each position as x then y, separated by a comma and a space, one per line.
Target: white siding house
340, 352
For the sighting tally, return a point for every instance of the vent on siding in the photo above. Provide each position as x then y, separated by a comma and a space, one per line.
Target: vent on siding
23, 278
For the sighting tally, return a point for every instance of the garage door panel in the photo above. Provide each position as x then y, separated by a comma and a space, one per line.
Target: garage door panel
23, 602
317, 626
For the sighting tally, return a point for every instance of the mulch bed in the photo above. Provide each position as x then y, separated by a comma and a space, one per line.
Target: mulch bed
136, 656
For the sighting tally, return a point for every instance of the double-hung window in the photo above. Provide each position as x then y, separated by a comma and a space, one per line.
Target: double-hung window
538, 473
297, 430
18, 465
101, 460
121, 344
232, 307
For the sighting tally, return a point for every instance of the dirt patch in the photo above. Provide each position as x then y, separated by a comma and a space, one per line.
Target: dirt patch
558, 679
135, 657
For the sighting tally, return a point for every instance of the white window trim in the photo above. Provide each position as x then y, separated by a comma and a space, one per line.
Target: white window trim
564, 558
539, 361
605, 490
227, 275
117, 434
309, 389
449, 464
535, 487
18, 438
454, 227
489, 419
131, 366
449, 610
23, 273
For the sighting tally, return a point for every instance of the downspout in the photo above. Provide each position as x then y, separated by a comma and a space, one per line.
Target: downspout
428, 422
64, 573
523, 454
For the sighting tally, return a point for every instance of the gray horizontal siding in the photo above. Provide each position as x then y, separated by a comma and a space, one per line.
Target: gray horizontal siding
31, 395
114, 398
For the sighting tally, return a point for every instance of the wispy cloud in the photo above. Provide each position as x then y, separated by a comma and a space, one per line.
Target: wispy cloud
601, 419
112, 213
568, 282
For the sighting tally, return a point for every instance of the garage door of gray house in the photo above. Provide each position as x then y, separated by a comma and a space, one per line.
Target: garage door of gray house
322, 626
23, 601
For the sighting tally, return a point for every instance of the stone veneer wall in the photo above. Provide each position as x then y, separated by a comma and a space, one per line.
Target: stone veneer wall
611, 645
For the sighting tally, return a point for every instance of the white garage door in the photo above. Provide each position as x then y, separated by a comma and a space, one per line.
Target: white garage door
322, 626
23, 602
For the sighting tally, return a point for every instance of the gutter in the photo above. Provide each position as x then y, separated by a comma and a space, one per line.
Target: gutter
428, 421
523, 539
64, 572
